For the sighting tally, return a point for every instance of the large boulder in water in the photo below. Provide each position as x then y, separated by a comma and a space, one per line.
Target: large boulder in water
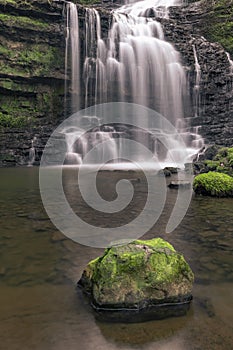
213, 184
139, 281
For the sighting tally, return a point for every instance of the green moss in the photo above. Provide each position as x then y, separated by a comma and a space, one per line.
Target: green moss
6, 2
222, 162
213, 184
222, 153
23, 22
17, 112
137, 271
30, 60
7, 157
7, 121
86, 2
12, 107
211, 164
10, 84
5, 51
218, 25
158, 244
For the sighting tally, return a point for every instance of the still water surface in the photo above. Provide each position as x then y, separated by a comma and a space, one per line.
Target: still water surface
39, 267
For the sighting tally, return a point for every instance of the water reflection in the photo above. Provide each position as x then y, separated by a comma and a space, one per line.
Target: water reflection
41, 309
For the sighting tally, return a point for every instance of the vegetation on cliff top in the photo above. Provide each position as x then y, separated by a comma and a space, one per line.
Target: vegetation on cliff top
218, 25
23, 22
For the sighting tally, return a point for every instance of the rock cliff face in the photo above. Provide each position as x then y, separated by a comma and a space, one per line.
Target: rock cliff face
214, 115
32, 74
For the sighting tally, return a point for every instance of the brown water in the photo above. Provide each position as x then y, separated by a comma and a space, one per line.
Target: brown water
41, 309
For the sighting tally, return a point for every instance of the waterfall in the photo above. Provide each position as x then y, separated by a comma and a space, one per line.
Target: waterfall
230, 62
134, 64
94, 70
197, 82
73, 50
231, 67
32, 153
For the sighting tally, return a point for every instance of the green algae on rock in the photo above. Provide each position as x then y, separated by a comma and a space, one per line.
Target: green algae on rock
143, 278
213, 184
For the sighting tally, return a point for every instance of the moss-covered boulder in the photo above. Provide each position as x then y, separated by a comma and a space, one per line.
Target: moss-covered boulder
138, 281
213, 184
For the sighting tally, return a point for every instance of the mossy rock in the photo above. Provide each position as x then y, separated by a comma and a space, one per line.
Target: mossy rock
213, 184
218, 159
139, 277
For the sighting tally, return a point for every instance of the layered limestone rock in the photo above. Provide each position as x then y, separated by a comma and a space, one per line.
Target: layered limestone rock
31, 76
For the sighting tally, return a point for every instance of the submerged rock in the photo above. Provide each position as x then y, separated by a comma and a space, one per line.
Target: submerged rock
179, 184
139, 281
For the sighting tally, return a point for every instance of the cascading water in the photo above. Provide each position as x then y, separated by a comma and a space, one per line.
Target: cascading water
230, 62
32, 153
197, 82
72, 43
135, 64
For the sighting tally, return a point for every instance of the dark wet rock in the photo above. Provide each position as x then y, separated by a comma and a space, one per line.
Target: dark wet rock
164, 172
207, 305
199, 168
213, 116
138, 281
168, 171
179, 184
215, 158
209, 153
172, 170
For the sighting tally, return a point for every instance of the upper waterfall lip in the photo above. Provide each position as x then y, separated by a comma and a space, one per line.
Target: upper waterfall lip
138, 8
